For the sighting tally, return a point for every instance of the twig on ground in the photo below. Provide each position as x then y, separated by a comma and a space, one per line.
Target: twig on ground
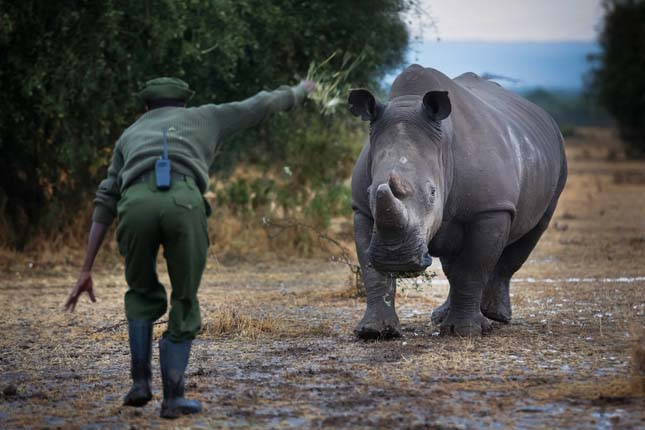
121, 324
344, 258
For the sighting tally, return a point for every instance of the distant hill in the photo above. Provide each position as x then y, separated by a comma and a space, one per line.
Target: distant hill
551, 65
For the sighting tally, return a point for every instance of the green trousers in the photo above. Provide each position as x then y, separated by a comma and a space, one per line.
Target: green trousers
175, 219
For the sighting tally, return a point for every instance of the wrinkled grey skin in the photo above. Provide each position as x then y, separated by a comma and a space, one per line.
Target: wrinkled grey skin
460, 169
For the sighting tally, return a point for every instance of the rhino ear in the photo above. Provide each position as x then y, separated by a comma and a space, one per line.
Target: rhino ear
437, 105
362, 103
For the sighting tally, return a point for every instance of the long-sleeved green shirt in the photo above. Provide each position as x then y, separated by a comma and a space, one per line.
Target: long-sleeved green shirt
193, 137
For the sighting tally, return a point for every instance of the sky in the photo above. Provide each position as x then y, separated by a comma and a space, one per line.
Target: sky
537, 43
508, 20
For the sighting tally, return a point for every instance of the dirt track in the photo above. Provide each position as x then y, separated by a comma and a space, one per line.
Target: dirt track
277, 349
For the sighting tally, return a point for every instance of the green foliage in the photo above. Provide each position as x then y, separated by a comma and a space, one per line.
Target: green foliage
327, 203
331, 85
617, 80
310, 165
70, 69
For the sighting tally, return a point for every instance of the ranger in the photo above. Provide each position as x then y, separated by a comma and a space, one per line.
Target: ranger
155, 185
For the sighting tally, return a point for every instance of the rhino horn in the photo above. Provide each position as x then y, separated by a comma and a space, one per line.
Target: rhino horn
391, 214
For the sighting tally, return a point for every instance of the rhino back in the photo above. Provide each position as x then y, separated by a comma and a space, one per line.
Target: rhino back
507, 153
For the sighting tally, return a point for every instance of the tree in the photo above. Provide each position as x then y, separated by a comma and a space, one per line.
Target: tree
70, 68
617, 80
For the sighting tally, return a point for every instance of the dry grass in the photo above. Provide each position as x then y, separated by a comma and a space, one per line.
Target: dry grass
596, 389
226, 321
229, 321
638, 360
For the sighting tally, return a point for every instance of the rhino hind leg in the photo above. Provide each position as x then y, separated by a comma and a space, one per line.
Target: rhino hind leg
496, 300
440, 313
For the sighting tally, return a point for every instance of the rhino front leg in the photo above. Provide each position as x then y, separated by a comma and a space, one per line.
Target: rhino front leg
469, 273
380, 320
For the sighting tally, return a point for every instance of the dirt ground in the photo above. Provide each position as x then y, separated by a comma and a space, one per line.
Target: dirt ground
277, 349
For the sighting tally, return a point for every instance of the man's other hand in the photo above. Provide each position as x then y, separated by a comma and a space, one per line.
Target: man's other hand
83, 285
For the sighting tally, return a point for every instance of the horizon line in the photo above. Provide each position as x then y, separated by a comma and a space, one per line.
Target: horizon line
503, 41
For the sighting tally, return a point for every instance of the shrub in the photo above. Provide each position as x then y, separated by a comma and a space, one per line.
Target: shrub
617, 80
69, 70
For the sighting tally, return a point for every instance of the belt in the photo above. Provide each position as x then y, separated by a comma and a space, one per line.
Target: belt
145, 176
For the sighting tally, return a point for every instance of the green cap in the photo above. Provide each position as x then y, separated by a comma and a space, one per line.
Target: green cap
166, 88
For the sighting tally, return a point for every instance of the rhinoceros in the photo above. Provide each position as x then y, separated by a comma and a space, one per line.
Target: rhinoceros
461, 169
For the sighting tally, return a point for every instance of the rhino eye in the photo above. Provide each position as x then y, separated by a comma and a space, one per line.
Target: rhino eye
430, 196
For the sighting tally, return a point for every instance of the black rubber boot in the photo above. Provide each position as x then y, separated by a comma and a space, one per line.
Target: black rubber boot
140, 333
174, 359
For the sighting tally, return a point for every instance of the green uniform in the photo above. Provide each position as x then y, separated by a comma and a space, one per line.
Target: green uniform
175, 218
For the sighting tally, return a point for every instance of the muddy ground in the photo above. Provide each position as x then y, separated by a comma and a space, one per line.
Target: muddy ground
277, 349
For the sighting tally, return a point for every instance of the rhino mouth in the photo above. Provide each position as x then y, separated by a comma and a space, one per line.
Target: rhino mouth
400, 260
397, 246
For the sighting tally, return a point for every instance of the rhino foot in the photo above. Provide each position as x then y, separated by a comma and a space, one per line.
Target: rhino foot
465, 326
440, 314
500, 312
496, 300
378, 324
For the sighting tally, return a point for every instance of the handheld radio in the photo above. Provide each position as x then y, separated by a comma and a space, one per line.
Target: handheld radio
162, 166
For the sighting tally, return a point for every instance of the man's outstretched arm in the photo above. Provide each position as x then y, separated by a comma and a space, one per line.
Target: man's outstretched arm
236, 116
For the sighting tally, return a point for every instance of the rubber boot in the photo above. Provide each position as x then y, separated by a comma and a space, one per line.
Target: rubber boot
140, 333
174, 359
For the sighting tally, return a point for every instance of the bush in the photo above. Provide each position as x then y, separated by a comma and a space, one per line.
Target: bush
70, 69
617, 80
306, 177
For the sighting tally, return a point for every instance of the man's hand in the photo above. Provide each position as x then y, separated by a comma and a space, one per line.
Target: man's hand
84, 284
310, 86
